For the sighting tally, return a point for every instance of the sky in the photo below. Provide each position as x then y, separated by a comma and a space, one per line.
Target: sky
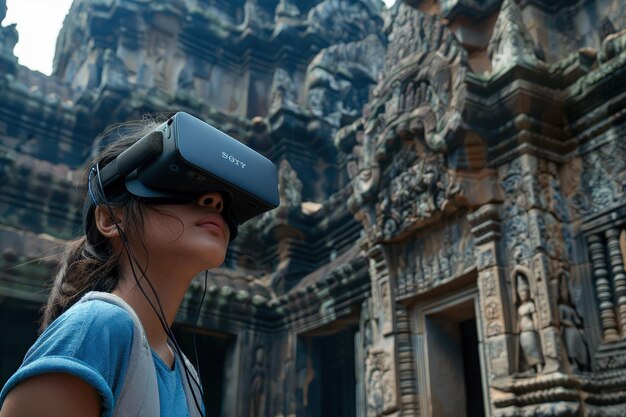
38, 24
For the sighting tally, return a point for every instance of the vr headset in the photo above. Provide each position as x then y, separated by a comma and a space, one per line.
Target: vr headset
184, 158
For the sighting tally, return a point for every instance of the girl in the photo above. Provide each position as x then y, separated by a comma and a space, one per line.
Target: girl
143, 256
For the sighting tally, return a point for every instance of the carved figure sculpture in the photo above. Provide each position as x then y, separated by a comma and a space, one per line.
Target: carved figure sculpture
257, 392
375, 395
527, 326
571, 329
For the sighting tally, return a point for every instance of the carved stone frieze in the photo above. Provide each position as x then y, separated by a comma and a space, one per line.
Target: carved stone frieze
420, 185
597, 181
425, 262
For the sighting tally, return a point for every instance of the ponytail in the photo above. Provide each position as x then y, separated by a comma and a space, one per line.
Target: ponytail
81, 270
90, 263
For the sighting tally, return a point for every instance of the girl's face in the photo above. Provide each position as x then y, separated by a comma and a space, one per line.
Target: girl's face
194, 236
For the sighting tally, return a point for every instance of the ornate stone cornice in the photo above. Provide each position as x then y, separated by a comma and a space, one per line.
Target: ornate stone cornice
485, 223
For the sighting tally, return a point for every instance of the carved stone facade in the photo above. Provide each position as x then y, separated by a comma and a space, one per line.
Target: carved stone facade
451, 239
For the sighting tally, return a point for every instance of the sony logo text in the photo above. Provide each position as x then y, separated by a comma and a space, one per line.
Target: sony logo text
233, 160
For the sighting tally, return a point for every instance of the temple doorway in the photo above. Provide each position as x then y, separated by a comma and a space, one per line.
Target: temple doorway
327, 373
449, 359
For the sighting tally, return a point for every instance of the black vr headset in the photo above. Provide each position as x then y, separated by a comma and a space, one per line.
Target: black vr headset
184, 158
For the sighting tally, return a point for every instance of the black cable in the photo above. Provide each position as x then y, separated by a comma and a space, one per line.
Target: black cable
133, 261
195, 330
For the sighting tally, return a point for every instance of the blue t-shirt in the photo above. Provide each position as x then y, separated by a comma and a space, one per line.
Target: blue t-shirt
92, 340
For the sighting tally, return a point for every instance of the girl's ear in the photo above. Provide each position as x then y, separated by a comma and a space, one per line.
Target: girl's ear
106, 224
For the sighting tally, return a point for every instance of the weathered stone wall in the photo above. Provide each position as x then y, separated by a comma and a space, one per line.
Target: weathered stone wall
451, 238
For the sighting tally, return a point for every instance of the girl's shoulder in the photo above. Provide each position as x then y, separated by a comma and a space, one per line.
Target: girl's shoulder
91, 340
92, 319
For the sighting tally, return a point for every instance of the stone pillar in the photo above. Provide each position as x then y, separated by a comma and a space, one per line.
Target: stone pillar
409, 402
619, 277
498, 340
602, 284
381, 376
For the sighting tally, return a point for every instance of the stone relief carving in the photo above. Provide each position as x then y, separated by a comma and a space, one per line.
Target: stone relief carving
413, 115
429, 101
571, 327
257, 407
527, 326
491, 304
510, 43
386, 300
486, 259
419, 186
515, 220
338, 79
497, 356
381, 383
342, 21
283, 92
375, 400
425, 262
368, 328
548, 190
415, 34
598, 182
612, 362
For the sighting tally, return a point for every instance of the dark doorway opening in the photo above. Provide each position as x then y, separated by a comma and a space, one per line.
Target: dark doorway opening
19, 321
453, 356
475, 406
212, 350
327, 364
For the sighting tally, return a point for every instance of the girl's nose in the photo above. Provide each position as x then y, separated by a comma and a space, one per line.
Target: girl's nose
212, 199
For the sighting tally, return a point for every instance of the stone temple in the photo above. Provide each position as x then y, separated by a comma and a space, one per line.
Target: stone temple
451, 238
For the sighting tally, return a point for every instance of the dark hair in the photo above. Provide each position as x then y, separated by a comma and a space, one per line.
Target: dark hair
90, 263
